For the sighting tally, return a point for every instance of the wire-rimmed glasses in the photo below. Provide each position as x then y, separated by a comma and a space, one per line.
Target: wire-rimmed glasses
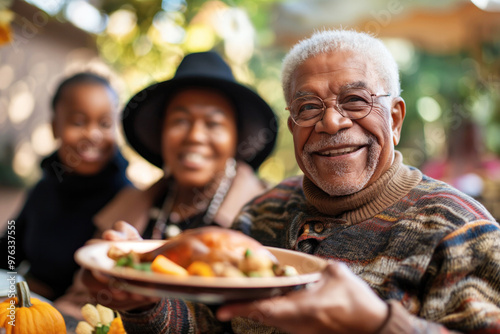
353, 103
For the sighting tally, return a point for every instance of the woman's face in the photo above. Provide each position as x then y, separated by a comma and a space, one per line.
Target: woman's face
199, 135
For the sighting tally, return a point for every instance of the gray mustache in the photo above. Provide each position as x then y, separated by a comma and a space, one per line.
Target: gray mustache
338, 139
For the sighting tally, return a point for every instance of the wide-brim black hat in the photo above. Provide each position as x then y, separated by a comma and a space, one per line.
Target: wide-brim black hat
257, 123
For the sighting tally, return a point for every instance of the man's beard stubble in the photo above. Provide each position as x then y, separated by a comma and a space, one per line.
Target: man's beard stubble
345, 186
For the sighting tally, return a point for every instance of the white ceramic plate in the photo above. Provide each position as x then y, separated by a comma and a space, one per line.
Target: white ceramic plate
210, 290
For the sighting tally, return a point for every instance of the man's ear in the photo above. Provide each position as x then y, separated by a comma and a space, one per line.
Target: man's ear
398, 112
290, 124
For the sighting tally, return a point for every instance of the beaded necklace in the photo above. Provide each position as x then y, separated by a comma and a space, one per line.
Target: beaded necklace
166, 225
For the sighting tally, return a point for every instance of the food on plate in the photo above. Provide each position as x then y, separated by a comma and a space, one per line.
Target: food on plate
207, 251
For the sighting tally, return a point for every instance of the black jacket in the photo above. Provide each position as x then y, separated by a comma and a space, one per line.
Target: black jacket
57, 219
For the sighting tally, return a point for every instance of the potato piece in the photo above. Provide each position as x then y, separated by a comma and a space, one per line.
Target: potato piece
225, 269
285, 270
255, 262
261, 273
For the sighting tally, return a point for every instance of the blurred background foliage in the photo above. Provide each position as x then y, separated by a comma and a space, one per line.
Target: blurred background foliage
441, 91
144, 40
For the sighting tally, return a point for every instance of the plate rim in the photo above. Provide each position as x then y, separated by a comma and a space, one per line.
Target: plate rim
223, 283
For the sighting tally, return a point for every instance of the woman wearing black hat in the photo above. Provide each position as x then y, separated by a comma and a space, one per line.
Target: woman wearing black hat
209, 134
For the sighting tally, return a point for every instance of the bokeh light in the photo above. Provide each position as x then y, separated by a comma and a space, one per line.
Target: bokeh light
6, 76
199, 37
483, 107
51, 7
121, 23
490, 5
4, 102
42, 139
142, 46
174, 5
85, 16
428, 108
234, 26
403, 52
21, 104
167, 27
25, 159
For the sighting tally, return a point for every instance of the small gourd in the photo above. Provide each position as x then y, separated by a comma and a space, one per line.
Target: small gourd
26, 315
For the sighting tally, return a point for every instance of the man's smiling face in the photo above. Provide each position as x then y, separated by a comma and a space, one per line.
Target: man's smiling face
342, 156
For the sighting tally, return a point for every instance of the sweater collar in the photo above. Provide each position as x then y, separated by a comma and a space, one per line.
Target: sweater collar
396, 182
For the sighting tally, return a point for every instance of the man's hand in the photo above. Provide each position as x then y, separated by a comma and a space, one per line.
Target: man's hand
339, 303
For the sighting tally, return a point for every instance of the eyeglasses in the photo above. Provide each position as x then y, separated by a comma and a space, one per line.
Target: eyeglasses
353, 103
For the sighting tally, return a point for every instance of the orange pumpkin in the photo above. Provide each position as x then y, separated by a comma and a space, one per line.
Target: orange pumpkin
25, 315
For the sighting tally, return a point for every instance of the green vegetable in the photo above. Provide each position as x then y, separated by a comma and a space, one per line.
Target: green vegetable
126, 261
145, 266
129, 261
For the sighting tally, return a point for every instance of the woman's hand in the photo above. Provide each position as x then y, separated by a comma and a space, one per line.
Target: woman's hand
339, 303
109, 291
121, 231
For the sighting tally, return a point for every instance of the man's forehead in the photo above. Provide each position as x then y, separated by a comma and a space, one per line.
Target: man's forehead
334, 62
336, 70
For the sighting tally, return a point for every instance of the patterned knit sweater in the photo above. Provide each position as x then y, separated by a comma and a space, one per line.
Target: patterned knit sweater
430, 251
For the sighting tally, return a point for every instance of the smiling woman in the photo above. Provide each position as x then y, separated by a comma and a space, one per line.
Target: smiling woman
209, 134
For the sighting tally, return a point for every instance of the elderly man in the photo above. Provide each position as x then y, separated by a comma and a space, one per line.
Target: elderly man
409, 254
424, 248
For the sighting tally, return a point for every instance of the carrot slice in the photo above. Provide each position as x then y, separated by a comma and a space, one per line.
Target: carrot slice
200, 268
163, 265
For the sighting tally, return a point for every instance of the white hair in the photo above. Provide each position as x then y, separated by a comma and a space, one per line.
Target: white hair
326, 41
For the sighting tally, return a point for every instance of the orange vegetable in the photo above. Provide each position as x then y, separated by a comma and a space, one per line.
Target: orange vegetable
163, 265
26, 315
200, 268
116, 326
